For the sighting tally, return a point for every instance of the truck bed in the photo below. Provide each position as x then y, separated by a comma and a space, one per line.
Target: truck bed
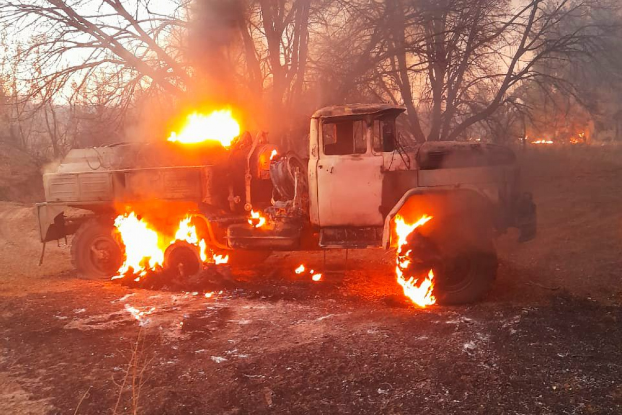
164, 183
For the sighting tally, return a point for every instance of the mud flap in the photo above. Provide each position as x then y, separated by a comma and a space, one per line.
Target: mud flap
51, 221
526, 218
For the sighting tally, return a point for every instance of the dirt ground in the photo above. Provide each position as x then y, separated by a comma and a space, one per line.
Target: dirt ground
547, 340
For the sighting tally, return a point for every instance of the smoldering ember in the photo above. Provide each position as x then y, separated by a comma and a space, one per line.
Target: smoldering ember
305, 206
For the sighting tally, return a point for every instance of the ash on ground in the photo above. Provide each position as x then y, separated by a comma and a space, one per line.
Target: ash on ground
210, 278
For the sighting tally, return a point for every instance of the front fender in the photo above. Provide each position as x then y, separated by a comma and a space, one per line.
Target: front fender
484, 199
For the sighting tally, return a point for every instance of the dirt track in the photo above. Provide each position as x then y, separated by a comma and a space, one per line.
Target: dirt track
547, 340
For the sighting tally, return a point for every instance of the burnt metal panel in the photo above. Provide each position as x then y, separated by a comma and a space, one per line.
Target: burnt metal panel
394, 185
459, 176
356, 109
95, 186
452, 154
51, 221
61, 187
351, 237
164, 183
284, 237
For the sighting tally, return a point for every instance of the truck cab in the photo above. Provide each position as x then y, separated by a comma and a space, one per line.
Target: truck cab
361, 174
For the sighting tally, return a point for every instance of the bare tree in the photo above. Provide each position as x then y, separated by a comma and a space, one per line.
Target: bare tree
103, 34
453, 63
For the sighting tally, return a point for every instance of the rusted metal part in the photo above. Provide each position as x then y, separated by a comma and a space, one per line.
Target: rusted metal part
182, 257
453, 154
525, 218
283, 236
356, 109
426, 191
394, 185
248, 177
283, 175
51, 221
163, 183
351, 237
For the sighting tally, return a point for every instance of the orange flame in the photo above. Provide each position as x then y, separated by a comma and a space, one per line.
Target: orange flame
145, 247
220, 259
142, 245
256, 219
187, 232
418, 289
218, 126
542, 142
315, 277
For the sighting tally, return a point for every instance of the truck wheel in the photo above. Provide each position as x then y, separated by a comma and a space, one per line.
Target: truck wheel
242, 258
95, 253
465, 278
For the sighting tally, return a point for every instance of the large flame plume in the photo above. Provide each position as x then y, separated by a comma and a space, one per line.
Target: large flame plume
145, 246
142, 245
218, 126
418, 288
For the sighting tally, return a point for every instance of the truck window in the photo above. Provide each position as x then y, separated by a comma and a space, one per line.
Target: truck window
344, 137
385, 136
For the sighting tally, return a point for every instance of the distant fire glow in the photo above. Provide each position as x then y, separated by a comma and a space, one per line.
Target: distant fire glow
542, 142
300, 269
218, 126
418, 288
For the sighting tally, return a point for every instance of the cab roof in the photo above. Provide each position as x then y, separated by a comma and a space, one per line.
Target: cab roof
356, 109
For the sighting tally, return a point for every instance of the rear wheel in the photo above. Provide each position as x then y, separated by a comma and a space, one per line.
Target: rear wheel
95, 253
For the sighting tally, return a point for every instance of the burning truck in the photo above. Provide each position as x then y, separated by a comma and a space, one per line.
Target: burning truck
212, 195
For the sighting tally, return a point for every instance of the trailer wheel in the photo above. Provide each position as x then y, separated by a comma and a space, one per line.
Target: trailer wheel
243, 258
95, 253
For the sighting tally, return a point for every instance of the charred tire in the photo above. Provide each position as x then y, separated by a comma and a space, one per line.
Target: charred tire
95, 253
466, 278
243, 258
468, 259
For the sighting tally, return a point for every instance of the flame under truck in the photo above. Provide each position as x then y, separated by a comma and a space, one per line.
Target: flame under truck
357, 177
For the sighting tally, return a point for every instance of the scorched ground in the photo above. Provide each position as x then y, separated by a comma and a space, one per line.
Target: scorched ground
547, 339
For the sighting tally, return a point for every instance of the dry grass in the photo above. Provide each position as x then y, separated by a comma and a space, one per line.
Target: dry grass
134, 377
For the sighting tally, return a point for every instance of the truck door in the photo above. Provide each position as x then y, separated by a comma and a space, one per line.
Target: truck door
349, 175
